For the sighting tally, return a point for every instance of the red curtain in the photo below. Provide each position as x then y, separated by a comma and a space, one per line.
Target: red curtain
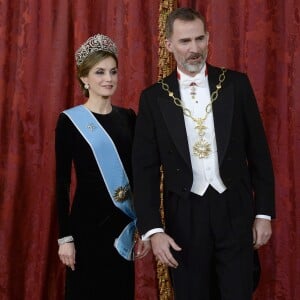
37, 81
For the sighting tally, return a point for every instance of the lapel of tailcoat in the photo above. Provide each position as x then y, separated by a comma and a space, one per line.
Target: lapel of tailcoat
222, 110
174, 118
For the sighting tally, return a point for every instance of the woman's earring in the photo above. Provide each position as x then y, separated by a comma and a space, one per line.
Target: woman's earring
86, 86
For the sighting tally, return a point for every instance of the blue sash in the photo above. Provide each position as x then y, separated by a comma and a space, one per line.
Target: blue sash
112, 170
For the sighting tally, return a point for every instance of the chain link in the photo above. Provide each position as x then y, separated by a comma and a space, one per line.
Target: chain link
186, 111
201, 148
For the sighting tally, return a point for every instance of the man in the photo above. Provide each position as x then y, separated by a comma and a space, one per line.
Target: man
201, 124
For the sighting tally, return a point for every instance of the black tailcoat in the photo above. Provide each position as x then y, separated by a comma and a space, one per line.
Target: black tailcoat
161, 140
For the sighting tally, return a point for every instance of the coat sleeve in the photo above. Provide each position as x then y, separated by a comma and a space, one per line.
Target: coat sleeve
146, 167
258, 153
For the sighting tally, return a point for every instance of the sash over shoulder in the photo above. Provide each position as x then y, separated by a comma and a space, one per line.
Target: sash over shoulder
112, 170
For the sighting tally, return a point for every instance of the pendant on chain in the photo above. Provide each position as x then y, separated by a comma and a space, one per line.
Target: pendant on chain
202, 148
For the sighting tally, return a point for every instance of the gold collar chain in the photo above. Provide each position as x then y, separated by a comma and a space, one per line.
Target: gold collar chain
202, 148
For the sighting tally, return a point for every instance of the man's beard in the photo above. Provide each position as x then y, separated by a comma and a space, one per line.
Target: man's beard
196, 67
193, 68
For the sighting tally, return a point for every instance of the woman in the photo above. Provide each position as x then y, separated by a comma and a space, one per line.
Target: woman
96, 235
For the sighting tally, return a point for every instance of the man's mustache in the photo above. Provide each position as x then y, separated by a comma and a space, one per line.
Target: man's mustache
195, 56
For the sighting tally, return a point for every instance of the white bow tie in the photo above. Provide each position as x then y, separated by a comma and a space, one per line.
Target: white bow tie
186, 83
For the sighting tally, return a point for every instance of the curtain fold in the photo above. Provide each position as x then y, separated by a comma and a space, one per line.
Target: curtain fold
37, 68
37, 81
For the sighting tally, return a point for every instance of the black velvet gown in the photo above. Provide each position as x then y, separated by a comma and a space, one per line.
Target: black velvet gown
94, 221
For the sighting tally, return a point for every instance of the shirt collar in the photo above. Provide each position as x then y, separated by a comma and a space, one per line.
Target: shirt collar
199, 76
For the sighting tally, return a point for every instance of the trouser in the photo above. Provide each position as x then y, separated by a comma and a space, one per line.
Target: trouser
215, 233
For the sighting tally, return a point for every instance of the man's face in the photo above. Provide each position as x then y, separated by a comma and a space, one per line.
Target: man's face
189, 45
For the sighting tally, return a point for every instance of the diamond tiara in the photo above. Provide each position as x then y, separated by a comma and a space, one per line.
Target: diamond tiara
98, 42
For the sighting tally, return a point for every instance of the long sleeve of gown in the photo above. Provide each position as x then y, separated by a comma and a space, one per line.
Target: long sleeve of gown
63, 154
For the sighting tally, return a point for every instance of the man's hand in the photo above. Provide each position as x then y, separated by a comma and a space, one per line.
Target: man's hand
262, 232
161, 243
142, 248
66, 253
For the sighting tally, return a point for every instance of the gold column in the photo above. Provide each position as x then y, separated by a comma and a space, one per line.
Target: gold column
166, 62
166, 65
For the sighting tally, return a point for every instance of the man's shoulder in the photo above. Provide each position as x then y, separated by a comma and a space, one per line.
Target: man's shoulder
231, 73
156, 87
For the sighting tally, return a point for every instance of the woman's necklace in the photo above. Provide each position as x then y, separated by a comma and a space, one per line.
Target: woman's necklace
202, 148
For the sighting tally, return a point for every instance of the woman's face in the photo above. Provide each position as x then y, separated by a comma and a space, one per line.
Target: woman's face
102, 78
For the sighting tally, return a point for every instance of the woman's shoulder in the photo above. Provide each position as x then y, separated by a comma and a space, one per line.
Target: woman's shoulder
128, 112
62, 118
64, 123
128, 115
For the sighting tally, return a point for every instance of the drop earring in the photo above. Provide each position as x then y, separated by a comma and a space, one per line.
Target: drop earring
86, 86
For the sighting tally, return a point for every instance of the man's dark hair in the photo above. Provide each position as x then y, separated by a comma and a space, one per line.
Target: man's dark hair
184, 14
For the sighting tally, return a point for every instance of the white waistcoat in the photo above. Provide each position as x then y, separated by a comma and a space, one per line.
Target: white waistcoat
205, 170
